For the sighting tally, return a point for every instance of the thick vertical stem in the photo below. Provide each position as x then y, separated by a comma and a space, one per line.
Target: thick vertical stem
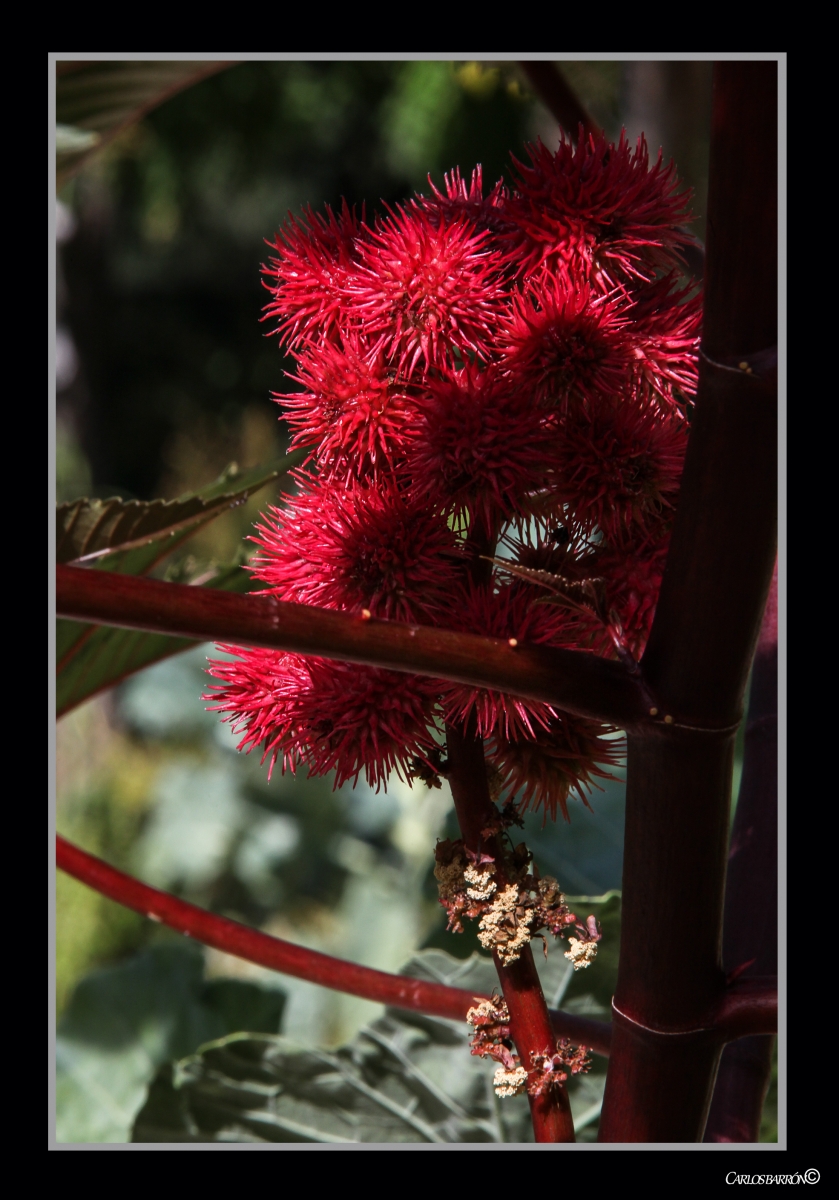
661, 1070
530, 1022
740, 1090
675, 843
741, 286
750, 925
664, 1051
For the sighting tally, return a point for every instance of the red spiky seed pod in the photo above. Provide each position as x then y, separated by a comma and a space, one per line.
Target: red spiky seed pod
504, 611
459, 199
598, 211
306, 277
564, 757
352, 409
666, 321
563, 343
631, 584
433, 288
329, 716
480, 446
359, 547
476, 366
617, 469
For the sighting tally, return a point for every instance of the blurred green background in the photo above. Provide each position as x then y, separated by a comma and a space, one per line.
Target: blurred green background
164, 375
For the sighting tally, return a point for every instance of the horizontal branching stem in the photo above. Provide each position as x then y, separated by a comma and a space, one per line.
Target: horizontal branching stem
573, 680
748, 1007
399, 991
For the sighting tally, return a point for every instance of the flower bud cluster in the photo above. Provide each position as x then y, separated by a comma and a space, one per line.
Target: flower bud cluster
552, 1069
501, 377
490, 1020
512, 905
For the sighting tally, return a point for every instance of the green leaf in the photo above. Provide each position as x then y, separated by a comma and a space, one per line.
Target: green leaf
404, 1078
769, 1118
94, 101
131, 537
71, 636
124, 1021
98, 656
87, 530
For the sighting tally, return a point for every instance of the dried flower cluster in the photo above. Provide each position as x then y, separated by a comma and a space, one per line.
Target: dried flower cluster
512, 905
490, 1020
479, 379
552, 1069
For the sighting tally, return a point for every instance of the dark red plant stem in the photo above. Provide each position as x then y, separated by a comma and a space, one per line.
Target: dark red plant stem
551, 86
670, 979
253, 946
578, 682
670, 984
741, 290
530, 1022
748, 1007
750, 925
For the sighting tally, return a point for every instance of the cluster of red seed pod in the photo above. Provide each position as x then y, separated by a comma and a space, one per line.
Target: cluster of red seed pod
479, 378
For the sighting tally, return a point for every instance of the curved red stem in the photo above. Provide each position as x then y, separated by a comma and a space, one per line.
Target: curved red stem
223, 934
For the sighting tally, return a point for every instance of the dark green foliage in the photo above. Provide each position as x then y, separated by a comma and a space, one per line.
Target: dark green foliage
131, 538
90, 529
123, 1021
404, 1078
95, 100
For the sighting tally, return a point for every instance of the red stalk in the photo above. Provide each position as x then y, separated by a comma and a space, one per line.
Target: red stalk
278, 955
748, 1008
750, 927
670, 979
578, 682
530, 1022
561, 101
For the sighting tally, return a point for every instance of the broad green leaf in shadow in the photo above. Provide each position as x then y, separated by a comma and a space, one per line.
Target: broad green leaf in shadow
94, 101
105, 655
123, 1022
131, 537
585, 855
405, 1077
589, 991
89, 530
